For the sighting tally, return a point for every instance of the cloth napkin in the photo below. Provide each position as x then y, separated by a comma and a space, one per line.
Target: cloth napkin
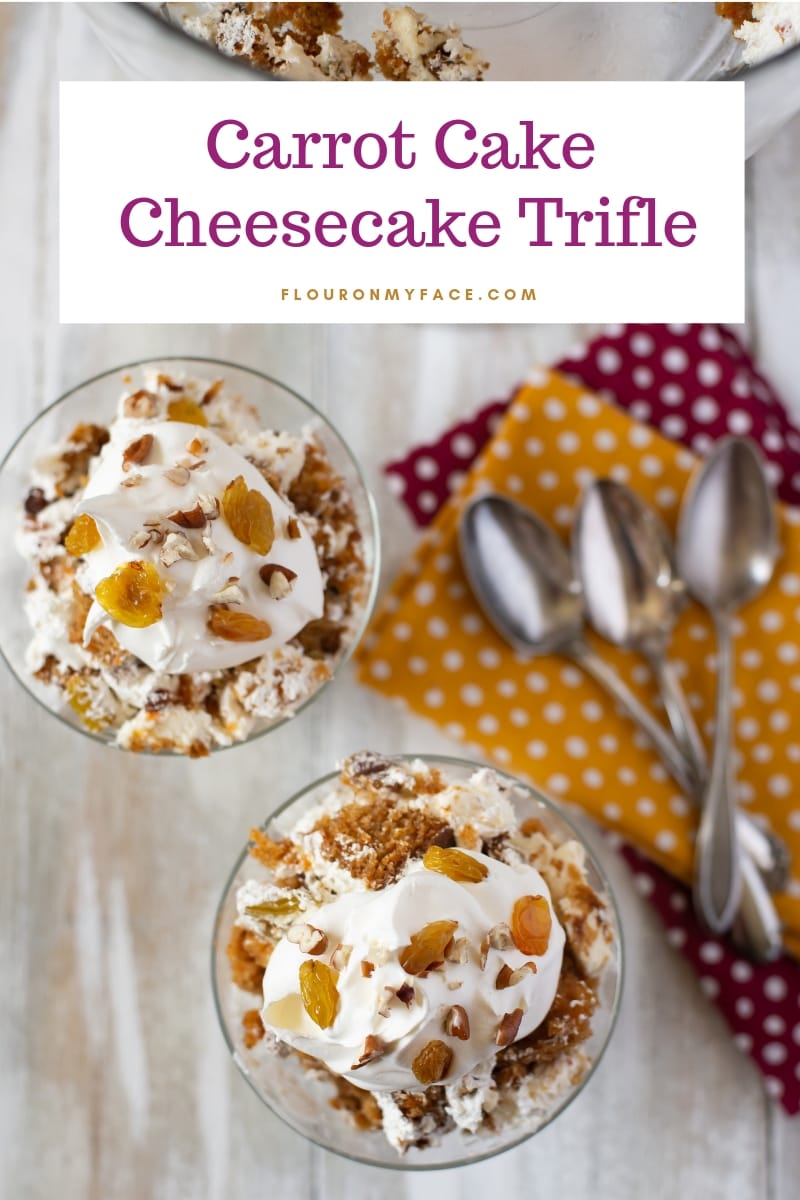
431, 648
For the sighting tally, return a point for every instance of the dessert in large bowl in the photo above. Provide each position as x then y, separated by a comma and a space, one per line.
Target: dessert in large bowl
196, 555
417, 963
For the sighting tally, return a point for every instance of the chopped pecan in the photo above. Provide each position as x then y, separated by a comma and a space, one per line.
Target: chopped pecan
508, 1028
456, 1022
193, 518
309, 939
405, 994
35, 502
373, 1048
179, 476
278, 579
137, 451
140, 404
341, 956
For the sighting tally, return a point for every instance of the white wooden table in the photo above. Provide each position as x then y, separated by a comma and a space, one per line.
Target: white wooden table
114, 1079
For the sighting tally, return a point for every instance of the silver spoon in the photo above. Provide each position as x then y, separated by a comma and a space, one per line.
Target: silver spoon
727, 548
633, 596
523, 579
632, 593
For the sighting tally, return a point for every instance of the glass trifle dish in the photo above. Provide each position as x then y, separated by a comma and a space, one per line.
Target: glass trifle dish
200, 554
417, 963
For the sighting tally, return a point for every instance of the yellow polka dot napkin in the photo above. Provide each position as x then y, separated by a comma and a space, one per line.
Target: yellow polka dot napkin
431, 648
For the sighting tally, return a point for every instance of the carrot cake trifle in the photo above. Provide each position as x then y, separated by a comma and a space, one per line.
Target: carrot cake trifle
435, 961
305, 41
195, 576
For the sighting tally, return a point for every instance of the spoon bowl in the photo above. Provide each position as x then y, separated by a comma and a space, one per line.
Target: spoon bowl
625, 561
521, 575
727, 532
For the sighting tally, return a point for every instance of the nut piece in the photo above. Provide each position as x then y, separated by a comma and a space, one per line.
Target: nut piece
406, 994
179, 476
456, 1023
500, 937
373, 1048
177, 545
164, 381
503, 979
193, 518
293, 531
507, 978
458, 952
132, 481
231, 593
35, 502
137, 452
215, 387
433, 1062
508, 1028
209, 506
278, 579
197, 446
140, 539
309, 939
367, 968
341, 956
140, 404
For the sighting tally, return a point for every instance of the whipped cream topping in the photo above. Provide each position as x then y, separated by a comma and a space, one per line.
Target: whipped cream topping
377, 925
187, 466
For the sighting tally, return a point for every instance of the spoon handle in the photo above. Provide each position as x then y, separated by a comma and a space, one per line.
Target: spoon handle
717, 873
607, 677
680, 716
757, 930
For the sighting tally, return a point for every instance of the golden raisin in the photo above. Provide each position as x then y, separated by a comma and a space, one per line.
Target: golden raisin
249, 515
83, 536
432, 1063
187, 411
280, 907
81, 701
428, 947
132, 594
236, 626
530, 924
455, 864
319, 992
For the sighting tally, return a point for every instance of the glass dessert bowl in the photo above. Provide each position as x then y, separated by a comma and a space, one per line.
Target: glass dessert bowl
196, 555
442, 41
417, 963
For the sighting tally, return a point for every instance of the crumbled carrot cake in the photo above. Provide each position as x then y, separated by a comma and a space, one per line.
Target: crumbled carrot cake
195, 577
764, 29
435, 962
304, 41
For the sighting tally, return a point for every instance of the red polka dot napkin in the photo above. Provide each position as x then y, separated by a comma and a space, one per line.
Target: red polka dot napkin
694, 384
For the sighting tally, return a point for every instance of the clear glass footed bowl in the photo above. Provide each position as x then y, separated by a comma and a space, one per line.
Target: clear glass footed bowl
301, 1099
95, 401
520, 40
